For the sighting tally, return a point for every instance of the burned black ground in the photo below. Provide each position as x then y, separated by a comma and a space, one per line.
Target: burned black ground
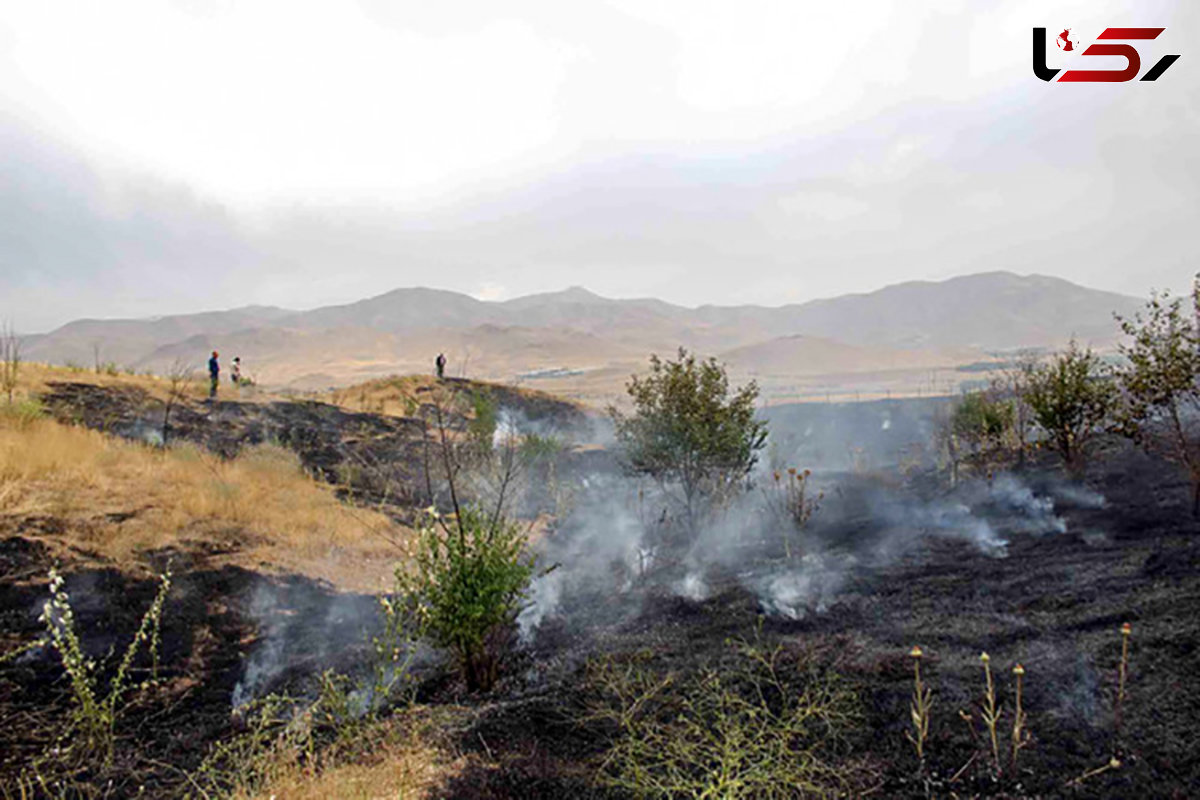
1054, 603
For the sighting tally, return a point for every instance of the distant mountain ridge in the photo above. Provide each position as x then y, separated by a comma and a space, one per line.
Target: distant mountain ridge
935, 322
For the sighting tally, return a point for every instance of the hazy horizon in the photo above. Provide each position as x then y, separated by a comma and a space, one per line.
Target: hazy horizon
758, 153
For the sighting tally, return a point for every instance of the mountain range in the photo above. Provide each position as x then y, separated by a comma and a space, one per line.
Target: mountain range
585, 344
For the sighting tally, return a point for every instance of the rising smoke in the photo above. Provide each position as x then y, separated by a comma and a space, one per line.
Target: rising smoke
614, 538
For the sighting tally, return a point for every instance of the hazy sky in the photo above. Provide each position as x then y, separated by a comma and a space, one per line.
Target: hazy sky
164, 157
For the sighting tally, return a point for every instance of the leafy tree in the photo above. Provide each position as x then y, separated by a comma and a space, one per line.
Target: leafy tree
1072, 400
689, 429
1161, 384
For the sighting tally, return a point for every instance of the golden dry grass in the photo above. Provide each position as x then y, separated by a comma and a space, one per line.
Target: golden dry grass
402, 395
33, 379
407, 756
408, 772
260, 507
395, 396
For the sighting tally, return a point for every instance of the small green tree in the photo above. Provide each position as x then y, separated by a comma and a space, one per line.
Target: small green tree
977, 430
467, 581
1072, 400
471, 567
1161, 384
689, 429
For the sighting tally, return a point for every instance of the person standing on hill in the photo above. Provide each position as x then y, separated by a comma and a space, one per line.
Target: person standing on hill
440, 364
214, 375
235, 374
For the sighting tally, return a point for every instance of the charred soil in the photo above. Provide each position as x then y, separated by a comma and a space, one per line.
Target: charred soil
1054, 603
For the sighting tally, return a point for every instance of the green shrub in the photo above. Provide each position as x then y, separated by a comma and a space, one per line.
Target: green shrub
481, 427
979, 430
761, 726
982, 420
468, 577
96, 705
536, 448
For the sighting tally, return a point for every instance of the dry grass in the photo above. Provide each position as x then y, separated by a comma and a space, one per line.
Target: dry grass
402, 395
396, 396
35, 377
403, 756
119, 499
402, 771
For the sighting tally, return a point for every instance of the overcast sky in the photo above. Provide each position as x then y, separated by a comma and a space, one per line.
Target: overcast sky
164, 157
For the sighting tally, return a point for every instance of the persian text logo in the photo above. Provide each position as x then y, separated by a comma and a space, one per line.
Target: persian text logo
1133, 60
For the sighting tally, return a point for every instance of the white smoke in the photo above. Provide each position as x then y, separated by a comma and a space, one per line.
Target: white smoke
808, 588
266, 662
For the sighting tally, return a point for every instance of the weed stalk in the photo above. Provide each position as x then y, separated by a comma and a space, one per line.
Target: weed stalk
1020, 736
991, 710
1122, 675
922, 704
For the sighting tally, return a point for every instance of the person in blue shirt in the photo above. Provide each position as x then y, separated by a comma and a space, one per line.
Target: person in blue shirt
214, 375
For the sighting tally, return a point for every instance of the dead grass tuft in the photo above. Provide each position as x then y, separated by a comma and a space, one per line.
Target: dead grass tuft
120, 499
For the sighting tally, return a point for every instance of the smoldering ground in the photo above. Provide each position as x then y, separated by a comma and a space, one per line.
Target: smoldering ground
612, 537
622, 534
613, 540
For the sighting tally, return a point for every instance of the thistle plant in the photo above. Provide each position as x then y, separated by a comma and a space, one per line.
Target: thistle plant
1020, 736
920, 707
792, 503
96, 711
991, 712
